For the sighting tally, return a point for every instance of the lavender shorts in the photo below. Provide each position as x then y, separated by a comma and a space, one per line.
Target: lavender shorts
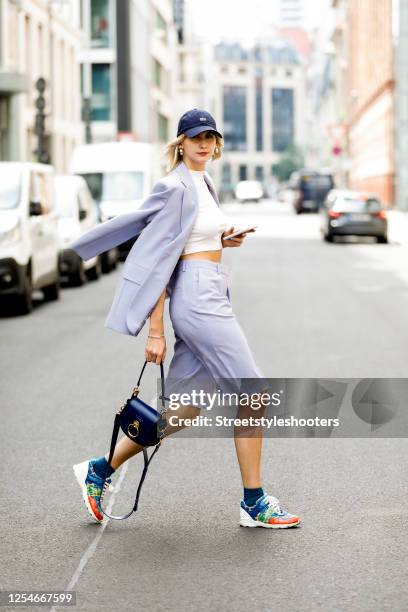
210, 344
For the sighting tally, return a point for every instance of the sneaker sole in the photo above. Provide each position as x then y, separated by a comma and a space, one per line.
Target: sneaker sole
81, 472
246, 521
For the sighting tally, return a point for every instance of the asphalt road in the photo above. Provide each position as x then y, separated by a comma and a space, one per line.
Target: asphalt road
309, 309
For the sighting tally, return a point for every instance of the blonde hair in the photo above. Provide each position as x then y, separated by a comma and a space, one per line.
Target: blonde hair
173, 156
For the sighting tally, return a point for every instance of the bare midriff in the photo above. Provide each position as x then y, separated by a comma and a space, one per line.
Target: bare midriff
210, 255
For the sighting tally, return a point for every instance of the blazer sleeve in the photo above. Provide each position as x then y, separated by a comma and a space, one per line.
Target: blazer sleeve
110, 234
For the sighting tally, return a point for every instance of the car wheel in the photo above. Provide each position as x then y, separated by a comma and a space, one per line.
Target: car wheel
95, 272
24, 302
78, 278
114, 263
382, 239
51, 292
106, 263
109, 261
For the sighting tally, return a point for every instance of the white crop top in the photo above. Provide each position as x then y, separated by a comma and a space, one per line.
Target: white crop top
210, 223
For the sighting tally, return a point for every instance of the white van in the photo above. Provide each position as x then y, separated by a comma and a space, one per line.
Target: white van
77, 213
29, 249
120, 175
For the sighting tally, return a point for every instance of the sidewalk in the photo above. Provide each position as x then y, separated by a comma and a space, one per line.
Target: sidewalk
398, 226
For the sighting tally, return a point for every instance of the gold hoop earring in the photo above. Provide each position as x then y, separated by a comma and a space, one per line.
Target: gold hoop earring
216, 150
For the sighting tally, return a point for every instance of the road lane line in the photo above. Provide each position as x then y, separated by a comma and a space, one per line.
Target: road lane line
90, 551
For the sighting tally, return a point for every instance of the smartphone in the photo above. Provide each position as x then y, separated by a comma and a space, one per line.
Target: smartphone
239, 232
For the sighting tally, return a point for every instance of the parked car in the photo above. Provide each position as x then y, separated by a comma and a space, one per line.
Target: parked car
29, 249
353, 213
249, 191
120, 175
77, 213
309, 189
285, 194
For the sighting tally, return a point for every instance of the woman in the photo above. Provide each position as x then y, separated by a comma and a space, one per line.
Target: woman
210, 343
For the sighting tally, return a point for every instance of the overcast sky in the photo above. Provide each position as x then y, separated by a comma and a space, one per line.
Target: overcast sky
216, 19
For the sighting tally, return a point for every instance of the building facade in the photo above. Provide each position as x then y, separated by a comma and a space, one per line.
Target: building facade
98, 68
259, 103
400, 31
128, 68
39, 39
371, 109
323, 107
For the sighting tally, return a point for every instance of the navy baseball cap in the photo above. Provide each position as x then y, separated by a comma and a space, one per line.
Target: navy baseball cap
195, 121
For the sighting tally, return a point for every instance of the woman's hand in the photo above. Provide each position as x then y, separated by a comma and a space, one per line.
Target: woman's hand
233, 242
155, 350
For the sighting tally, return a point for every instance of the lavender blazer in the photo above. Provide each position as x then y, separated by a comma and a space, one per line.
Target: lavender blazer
164, 221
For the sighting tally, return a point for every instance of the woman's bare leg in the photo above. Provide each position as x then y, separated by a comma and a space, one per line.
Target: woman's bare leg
248, 446
249, 458
125, 448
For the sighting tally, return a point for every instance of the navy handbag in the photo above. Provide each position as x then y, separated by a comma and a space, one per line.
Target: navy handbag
142, 424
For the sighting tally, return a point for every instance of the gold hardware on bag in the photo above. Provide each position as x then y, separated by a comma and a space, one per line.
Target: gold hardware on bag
133, 426
135, 391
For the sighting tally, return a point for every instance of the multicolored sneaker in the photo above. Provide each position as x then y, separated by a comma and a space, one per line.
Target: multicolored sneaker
92, 488
266, 513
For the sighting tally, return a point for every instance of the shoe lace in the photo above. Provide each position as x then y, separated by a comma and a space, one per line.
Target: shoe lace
106, 487
273, 506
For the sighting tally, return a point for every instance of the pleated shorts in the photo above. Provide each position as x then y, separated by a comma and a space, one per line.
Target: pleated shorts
210, 343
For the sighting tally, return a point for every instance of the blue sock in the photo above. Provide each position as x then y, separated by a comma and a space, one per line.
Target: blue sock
252, 495
101, 466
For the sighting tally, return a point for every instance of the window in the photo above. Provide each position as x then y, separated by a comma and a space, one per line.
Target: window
115, 185
234, 119
41, 63
243, 173
28, 64
357, 205
100, 24
163, 127
259, 108
259, 173
160, 22
282, 119
226, 175
101, 92
157, 73
161, 26
4, 129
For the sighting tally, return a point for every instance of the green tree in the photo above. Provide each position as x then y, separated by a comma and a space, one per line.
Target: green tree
292, 159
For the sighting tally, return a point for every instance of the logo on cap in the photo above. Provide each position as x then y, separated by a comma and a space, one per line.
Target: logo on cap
203, 118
